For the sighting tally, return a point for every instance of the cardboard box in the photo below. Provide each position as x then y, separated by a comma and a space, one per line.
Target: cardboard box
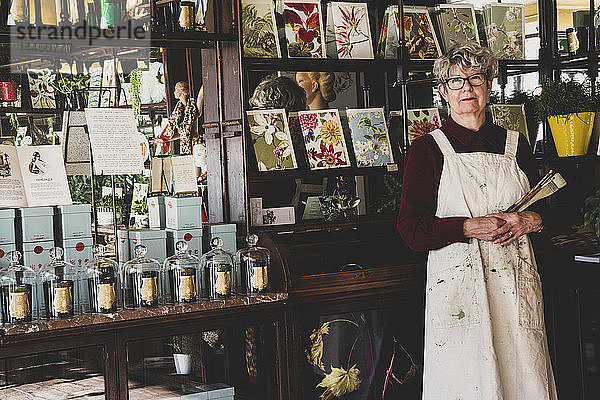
123, 245
78, 251
4, 249
156, 212
73, 221
37, 254
193, 238
183, 212
36, 224
7, 226
155, 241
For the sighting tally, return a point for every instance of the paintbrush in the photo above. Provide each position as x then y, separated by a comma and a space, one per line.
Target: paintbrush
548, 189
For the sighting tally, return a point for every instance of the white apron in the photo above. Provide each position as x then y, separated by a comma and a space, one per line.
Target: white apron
485, 337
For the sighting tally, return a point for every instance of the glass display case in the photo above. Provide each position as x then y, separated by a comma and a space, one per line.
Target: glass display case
60, 285
218, 268
143, 281
102, 284
184, 275
18, 292
254, 262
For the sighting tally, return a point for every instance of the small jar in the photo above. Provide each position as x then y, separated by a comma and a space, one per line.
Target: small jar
18, 291
60, 283
187, 15
184, 276
143, 280
103, 283
255, 261
218, 269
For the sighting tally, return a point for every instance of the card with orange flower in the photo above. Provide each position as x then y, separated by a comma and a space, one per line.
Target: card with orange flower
324, 139
422, 121
419, 34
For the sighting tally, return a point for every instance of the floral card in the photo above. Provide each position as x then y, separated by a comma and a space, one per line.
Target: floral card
370, 137
324, 139
41, 88
504, 29
457, 24
259, 31
510, 116
271, 139
422, 121
348, 30
303, 28
381, 42
419, 34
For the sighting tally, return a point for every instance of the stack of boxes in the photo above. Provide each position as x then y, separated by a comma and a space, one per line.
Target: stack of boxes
74, 233
35, 228
183, 221
8, 239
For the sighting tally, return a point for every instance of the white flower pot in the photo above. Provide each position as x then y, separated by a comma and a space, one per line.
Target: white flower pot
183, 364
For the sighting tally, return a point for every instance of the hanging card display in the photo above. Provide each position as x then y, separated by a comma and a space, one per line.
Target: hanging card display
421, 40
303, 28
324, 139
41, 88
348, 31
422, 121
259, 31
271, 139
504, 30
457, 24
370, 137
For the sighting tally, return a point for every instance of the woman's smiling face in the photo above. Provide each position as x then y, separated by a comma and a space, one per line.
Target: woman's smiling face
469, 99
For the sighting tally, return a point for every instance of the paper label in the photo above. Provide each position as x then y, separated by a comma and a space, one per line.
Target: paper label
223, 283
149, 289
187, 287
106, 295
63, 300
259, 278
19, 305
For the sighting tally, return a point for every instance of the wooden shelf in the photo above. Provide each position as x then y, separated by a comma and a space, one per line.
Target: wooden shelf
268, 176
323, 226
316, 64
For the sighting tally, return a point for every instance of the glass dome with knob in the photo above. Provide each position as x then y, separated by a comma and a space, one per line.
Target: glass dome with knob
18, 291
218, 269
143, 280
103, 283
184, 276
60, 285
254, 262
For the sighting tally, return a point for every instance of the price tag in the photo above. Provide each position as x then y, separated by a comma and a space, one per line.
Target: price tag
392, 167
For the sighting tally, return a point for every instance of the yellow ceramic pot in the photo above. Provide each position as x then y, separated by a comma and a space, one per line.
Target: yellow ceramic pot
572, 133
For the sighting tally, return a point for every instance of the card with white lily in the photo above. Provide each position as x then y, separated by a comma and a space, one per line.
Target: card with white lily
370, 137
324, 139
349, 32
271, 139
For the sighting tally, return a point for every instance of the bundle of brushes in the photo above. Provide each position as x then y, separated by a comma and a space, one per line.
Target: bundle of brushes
547, 186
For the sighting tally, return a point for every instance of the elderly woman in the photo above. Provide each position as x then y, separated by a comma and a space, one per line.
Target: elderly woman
484, 331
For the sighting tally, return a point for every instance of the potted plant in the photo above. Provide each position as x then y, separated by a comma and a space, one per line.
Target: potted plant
105, 211
139, 212
591, 212
186, 352
569, 108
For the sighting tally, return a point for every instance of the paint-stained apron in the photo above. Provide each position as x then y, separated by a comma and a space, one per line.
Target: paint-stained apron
485, 337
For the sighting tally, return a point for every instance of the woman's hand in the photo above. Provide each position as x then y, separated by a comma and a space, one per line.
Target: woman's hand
516, 224
482, 228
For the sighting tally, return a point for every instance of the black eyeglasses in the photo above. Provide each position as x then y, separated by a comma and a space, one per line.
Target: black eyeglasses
457, 83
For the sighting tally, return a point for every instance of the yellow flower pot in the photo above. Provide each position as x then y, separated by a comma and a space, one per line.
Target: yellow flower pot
572, 133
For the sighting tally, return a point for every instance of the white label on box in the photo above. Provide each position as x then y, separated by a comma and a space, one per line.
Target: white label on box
279, 216
256, 211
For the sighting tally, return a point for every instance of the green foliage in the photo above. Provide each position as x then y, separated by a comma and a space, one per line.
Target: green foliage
14, 121
139, 207
259, 40
558, 98
591, 212
188, 344
390, 200
68, 84
135, 77
106, 202
80, 187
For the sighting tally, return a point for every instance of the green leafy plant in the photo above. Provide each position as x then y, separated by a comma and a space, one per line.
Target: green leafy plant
591, 212
139, 207
188, 344
135, 78
562, 98
339, 206
390, 200
68, 84
106, 202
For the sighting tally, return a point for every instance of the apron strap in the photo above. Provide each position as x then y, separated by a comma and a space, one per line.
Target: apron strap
512, 142
442, 142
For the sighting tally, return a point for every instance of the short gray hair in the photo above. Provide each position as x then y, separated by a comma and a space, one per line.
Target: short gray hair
279, 92
468, 55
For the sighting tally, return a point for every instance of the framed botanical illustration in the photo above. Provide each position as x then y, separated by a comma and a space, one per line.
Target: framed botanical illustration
324, 139
304, 28
422, 121
419, 34
370, 137
271, 139
41, 87
348, 31
504, 30
259, 30
510, 116
457, 24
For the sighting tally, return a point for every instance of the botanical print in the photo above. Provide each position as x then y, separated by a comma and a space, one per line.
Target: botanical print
109, 83
95, 84
510, 116
259, 29
324, 139
370, 137
41, 88
303, 28
504, 30
418, 32
422, 121
348, 27
457, 23
381, 42
271, 140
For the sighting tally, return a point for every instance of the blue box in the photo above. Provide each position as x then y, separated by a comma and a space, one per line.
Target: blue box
156, 212
227, 232
7, 226
4, 249
123, 245
37, 254
155, 241
193, 238
219, 391
78, 251
73, 221
183, 212
36, 223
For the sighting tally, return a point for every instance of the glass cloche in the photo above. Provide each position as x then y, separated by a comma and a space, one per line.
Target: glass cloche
184, 276
254, 261
143, 280
18, 291
102, 283
60, 284
218, 269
